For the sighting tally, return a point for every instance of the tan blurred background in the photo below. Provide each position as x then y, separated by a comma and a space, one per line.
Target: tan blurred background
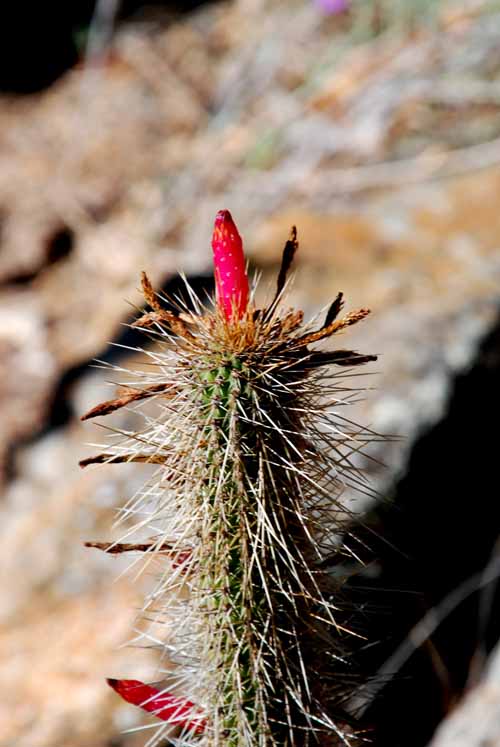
375, 130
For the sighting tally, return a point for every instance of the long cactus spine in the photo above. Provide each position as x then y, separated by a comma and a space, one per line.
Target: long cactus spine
253, 455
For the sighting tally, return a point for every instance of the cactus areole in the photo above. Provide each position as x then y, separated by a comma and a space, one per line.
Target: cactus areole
243, 417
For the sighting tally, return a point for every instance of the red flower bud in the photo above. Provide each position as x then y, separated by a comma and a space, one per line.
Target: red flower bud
168, 707
229, 263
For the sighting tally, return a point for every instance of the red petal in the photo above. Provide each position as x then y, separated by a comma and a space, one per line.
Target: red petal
168, 707
229, 263
180, 558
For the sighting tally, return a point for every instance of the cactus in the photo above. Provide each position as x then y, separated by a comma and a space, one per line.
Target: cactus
244, 513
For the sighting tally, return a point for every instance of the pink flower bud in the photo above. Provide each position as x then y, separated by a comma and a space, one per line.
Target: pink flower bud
231, 280
168, 707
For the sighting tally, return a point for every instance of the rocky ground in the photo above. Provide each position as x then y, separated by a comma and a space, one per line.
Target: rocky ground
381, 144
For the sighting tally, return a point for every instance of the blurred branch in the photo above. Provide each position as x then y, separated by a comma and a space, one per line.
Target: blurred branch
425, 166
101, 30
422, 631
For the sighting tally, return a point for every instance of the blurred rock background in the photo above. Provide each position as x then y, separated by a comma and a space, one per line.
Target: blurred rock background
123, 129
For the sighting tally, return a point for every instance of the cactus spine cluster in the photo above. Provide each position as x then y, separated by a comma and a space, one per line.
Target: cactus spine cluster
253, 455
